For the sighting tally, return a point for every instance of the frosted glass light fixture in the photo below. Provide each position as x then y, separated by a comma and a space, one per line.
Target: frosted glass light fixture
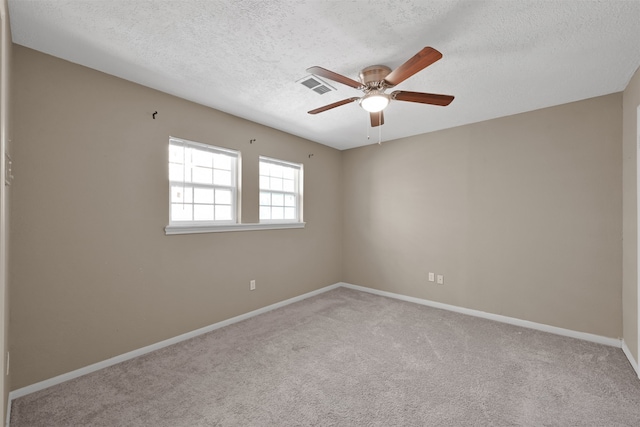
374, 101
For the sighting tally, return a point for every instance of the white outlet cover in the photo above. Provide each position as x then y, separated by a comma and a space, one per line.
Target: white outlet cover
432, 277
440, 279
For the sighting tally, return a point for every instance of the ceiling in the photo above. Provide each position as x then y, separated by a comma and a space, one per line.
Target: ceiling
247, 57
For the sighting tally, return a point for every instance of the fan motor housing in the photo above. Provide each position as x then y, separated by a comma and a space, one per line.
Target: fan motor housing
374, 74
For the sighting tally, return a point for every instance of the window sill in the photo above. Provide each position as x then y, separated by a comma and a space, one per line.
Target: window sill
193, 229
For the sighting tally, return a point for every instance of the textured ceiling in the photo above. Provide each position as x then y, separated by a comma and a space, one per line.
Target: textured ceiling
246, 57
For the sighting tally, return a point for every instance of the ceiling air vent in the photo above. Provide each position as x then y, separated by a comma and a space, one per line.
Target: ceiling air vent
316, 85
322, 89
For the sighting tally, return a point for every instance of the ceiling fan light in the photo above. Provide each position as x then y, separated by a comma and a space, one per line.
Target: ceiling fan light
374, 101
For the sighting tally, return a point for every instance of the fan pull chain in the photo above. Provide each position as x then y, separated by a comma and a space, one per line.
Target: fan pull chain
379, 132
367, 125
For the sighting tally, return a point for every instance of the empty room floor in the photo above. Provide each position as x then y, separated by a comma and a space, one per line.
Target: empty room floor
350, 358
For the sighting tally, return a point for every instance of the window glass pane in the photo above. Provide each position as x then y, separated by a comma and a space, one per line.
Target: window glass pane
277, 212
221, 177
288, 185
220, 161
181, 194
223, 213
223, 197
264, 168
265, 198
202, 158
176, 172
277, 199
265, 212
177, 195
275, 184
176, 154
203, 212
288, 173
202, 175
289, 200
203, 195
289, 213
181, 212
276, 171
264, 183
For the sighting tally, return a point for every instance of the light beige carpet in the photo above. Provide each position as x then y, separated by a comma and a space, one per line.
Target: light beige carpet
348, 358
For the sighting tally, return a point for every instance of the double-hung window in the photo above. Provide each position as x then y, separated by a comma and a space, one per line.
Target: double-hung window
204, 184
280, 191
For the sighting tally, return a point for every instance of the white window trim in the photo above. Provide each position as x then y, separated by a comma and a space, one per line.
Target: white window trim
235, 187
236, 208
194, 229
299, 190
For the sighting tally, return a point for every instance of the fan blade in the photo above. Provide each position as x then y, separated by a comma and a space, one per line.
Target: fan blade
423, 98
334, 105
420, 61
377, 119
323, 72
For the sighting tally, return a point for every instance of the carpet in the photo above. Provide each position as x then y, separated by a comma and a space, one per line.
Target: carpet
350, 358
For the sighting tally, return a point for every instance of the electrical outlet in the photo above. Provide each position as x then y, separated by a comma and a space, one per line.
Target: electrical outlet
432, 277
252, 285
440, 280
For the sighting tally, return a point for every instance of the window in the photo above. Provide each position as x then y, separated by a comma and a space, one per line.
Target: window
204, 184
280, 191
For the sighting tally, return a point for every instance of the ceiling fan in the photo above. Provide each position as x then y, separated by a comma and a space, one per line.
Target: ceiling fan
374, 80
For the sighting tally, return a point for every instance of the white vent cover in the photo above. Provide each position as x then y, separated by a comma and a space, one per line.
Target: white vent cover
316, 85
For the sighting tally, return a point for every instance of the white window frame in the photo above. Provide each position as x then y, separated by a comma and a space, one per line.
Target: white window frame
175, 226
297, 191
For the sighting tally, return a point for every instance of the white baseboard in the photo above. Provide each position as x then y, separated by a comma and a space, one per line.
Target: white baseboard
614, 342
632, 360
153, 347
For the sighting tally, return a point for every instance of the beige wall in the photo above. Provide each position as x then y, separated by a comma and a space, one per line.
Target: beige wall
522, 216
631, 100
93, 274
